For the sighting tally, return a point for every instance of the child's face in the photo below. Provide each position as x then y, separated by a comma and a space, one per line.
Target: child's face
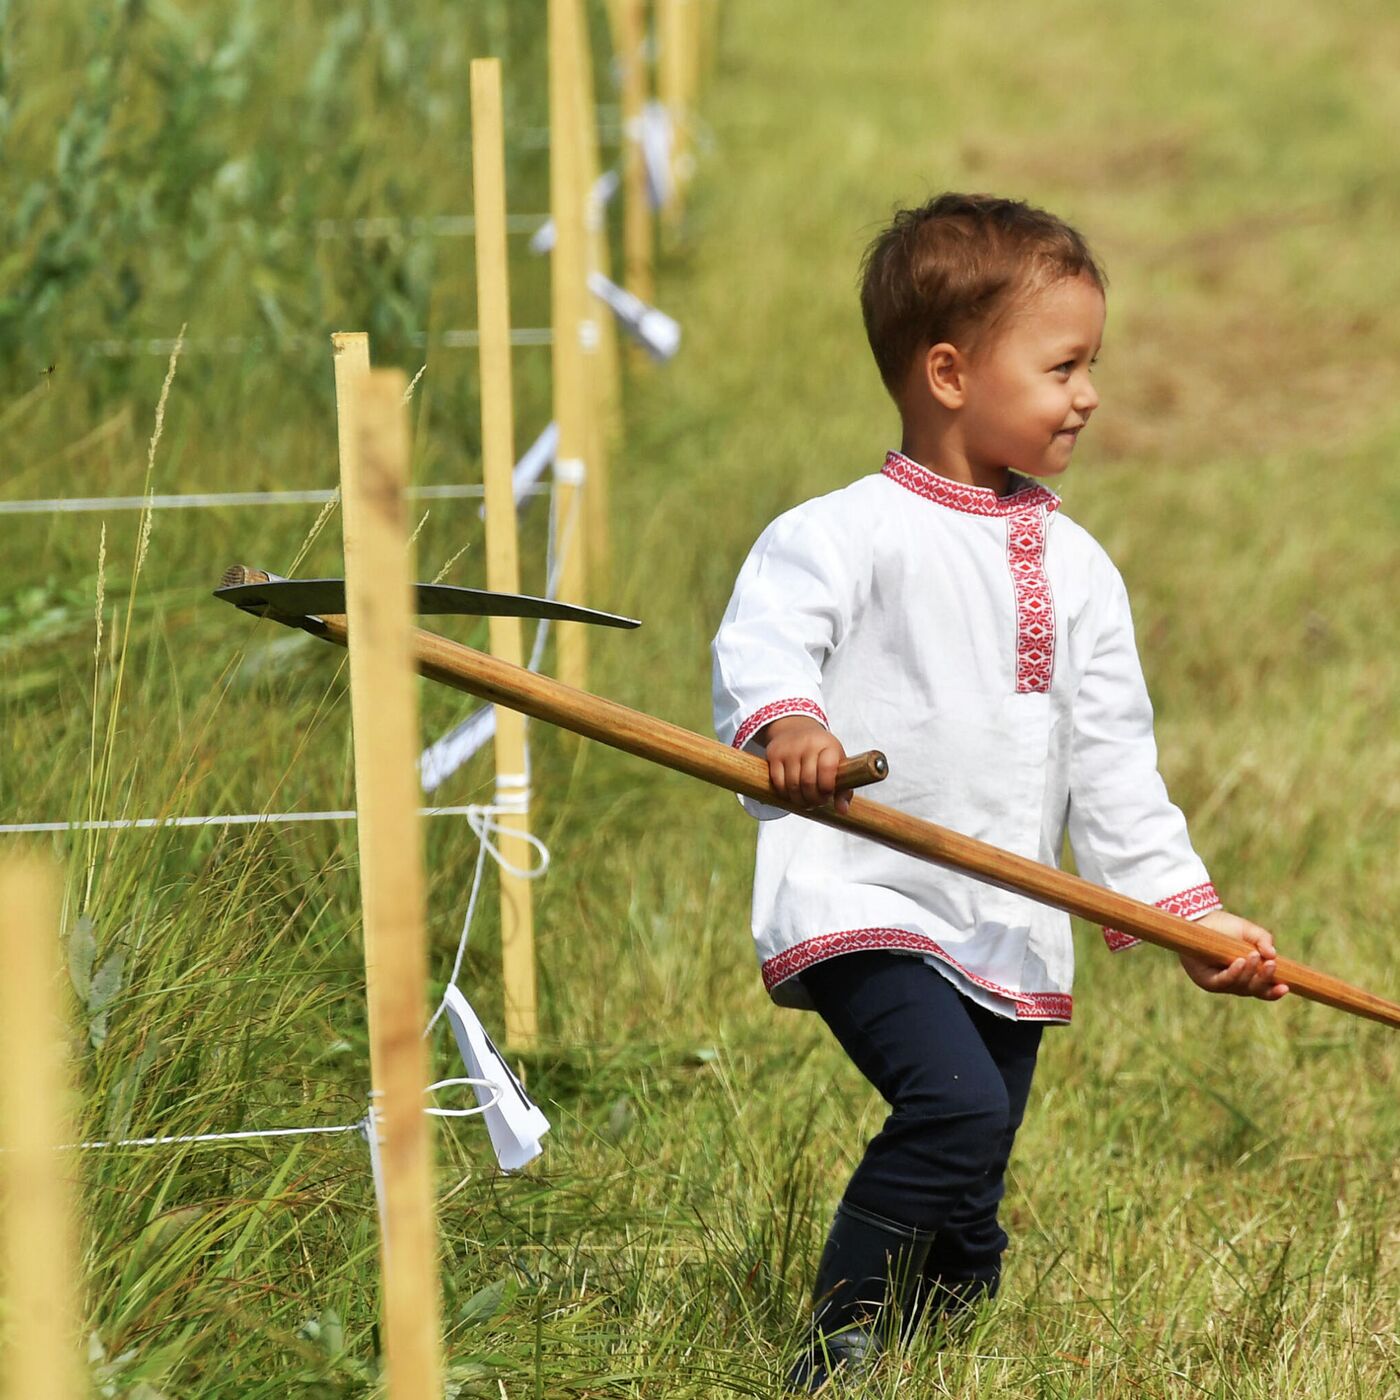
1029, 392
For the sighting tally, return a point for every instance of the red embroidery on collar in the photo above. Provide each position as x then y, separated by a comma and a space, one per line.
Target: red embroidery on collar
971, 500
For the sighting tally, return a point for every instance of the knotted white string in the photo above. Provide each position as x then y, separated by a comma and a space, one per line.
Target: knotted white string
371, 1127
250, 1135
463, 338
512, 794
471, 1082
570, 471
373, 1121
512, 798
255, 1134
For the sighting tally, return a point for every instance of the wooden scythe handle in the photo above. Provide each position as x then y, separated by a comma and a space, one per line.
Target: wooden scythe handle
862, 769
673, 747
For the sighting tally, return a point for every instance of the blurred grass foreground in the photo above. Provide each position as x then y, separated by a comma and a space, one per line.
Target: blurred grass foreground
1206, 1196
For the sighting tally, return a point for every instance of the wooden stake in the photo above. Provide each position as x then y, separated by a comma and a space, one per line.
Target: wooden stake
600, 340
502, 559
568, 294
351, 358
672, 31
384, 705
694, 18
673, 747
40, 1251
708, 42
637, 232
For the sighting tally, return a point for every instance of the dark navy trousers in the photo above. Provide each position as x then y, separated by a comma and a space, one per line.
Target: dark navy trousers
956, 1078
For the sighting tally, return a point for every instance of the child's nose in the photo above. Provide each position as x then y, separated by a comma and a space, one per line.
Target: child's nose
1086, 397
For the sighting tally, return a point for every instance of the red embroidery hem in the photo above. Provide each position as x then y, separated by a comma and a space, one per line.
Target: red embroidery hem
1189, 904
777, 710
1030, 1006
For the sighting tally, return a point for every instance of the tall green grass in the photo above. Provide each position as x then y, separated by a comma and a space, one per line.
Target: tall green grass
1204, 1195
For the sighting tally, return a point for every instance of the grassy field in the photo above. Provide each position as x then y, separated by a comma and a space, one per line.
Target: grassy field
1205, 1197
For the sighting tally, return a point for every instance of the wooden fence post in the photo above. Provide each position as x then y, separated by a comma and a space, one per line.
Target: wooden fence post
695, 24
37, 1226
502, 555
600, 329
672, 32
351, 359
710, 22
637, 233
384, 705
568, 293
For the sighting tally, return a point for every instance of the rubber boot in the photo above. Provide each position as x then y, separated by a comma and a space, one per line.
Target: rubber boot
869, 1271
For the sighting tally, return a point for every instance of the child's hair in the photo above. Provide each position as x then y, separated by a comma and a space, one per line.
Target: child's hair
949, 270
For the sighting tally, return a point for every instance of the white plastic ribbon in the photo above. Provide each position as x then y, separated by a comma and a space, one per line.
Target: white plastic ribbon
442, 758
656, 332
526, 474
604, 187
514, 1122
654, 132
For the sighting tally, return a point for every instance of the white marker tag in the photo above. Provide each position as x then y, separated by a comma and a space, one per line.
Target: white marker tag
656, 153
604, 187
440, 760
656, 332
514, 1122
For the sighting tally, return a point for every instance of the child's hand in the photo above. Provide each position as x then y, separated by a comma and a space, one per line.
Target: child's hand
1251, 976
803, 757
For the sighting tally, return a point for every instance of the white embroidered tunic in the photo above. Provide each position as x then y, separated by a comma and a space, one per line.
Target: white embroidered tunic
985, 644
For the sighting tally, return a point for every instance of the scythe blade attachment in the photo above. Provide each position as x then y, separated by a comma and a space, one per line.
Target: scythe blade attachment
325, 597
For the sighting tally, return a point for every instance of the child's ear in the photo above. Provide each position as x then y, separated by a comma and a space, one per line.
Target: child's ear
944, 368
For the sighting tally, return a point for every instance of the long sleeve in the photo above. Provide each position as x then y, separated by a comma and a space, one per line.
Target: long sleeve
1124, 829
791, 606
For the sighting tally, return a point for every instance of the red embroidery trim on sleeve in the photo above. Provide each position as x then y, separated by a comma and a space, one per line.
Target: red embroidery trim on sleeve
777, 710
1189, 904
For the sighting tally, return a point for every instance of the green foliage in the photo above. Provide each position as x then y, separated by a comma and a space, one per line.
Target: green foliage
184, 164
1205, 1194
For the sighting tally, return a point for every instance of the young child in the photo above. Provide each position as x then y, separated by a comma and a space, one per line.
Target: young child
946, 611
